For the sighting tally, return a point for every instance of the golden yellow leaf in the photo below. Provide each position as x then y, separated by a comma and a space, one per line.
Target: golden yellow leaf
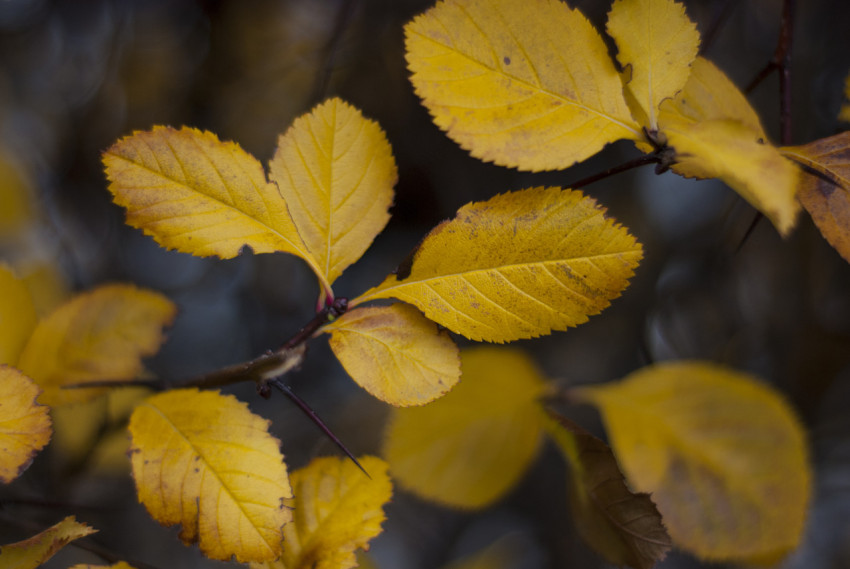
337, 510
844, 113
722, 454
498, 555
24, 424
395, 353
471, 446
17, 316
622, 526
196, 194
31, 553
522, 83
517, 266
17, 210
119, 565
336, 171
203, 460
98, 335
656, 44
77, 427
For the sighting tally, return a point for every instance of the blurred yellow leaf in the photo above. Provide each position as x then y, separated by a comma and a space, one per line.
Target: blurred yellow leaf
203, 460
17, 316
98, 335
337, 510
624, 527
119, 565
46, 283
395, 353
498, 555
77, 427
517, 266
722, 454
24, 424
656, 44
32, 552
844, 113
336, 171
469, 447
16, 200
522, 83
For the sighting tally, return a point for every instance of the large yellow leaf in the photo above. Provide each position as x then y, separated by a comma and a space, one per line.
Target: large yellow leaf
17, 316
395, 353
196, 194
469, 447
522, 83
656, 45
32, 552
517, 266
24, 424
98, 335
337, 510
203, 460
335, 169
723, 456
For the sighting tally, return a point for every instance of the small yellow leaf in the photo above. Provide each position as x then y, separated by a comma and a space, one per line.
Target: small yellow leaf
395, 353
119, 565
522, 83
723, 456
336, 171
32, 552
656, 44
24, 424
203, 460
337, 510
517, 266
98, 335
471, 446
17, 316
844, 113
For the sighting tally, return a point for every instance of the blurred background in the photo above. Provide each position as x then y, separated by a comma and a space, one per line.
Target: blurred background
75, 76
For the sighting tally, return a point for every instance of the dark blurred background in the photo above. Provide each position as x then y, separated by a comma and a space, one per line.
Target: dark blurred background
75, 76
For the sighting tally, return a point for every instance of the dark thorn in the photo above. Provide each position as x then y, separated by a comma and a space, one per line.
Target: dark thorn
264, 390
758, 217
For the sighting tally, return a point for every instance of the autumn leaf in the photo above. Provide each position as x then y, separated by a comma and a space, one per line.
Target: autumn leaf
32, 552
17, 316
119, 565
336, 172
844, 113
498, 555
337, 510
203, 460
395, 353
517, 266
522, 83
24, 424
472, 445
99, 335
624, 527
723, 456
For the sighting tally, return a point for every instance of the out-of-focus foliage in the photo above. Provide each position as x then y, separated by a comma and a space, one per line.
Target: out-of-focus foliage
33, 552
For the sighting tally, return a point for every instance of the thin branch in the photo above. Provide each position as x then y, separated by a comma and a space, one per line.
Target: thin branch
720, 20
323, 78
631, 164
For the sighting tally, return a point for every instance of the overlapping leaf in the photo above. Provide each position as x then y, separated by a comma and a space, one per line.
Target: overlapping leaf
469, 447
32, 552
335, 169
203, 460
17, 316
517, 266
723, 456
24, 424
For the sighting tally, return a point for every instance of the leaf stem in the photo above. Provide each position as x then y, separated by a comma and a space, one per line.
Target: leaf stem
634, 163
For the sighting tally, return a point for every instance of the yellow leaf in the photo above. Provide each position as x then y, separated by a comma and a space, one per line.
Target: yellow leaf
98, 335
24, 424
517, 266
522, 83
32, 552
17, 316
844, 113
498, 555
196, 194
656, 45
395, 353
731, 151
335, 169
723, 456
77, 427
471, 446
203, 460
119, 565
17, 211
337, 510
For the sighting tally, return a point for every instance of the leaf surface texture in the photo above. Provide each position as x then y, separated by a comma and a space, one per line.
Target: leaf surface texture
24, 424
33, 552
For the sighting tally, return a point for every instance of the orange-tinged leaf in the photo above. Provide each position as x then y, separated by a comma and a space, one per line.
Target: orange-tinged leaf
336, 171
622, 526
32, 552
17, 316
517, 266
24, 424
203, 460
656, 44
522, 83
722, 454
119, 565
395, 353
469, 447
337, 510
98, 335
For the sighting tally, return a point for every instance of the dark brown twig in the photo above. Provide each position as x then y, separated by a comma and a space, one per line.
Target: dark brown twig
631, 164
